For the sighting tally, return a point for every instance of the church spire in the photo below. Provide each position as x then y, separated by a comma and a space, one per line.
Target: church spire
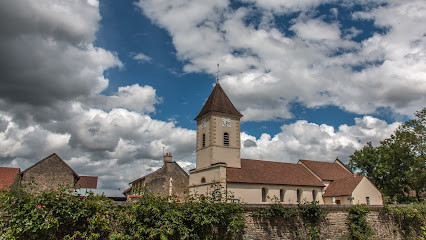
218, 102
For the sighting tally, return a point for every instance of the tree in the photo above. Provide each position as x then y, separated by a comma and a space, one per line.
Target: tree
397, 165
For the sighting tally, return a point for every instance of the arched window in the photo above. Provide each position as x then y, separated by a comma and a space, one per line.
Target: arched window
204, 140
203, 180
314, 195
264, 192
299, 195
282, 192
226, 139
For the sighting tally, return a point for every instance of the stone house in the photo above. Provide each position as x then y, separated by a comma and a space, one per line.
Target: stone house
9, 177
169, 180
51, 172
218, 162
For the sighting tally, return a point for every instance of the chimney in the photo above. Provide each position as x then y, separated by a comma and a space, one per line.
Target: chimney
168, 158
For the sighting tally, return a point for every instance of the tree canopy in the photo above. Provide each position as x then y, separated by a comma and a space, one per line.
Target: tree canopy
397, 165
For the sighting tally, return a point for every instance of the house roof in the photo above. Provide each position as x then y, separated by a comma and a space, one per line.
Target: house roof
219, 102
327, 170
88, 182
342, 186
57, 157
7, 176
267, 172
127, 190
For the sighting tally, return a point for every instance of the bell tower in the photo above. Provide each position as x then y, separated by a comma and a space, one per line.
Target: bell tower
218, 132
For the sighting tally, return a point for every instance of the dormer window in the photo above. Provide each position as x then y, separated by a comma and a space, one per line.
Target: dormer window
226, 139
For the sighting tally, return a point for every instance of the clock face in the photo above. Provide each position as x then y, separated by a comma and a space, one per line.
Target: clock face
203, 123
226, 122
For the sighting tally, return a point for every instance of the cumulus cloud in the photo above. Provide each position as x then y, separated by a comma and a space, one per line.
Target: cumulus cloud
51, 97
48, 56
304, 140
99, 142
265, 67
134, 97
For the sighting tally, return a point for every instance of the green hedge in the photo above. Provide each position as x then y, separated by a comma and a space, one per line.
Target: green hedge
57, 214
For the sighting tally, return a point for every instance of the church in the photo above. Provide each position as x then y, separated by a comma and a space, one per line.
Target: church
218, 162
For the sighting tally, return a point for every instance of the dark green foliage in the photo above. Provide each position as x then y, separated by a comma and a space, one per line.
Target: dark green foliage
410, 218
397, 166
359, 229
60, 215
53, 214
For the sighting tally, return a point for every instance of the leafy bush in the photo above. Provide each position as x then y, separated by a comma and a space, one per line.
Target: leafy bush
57, 214
54, 214
211, 217
410, 218
359, 229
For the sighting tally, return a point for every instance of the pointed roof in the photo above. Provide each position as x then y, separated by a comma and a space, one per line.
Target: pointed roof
219, 102
56, 156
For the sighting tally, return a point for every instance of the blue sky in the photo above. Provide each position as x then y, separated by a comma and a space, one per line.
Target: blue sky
106, 85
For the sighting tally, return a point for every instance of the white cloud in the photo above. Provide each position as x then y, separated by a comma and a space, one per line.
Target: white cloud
303, 140
263, 66
142, 58
316, 30
134, 98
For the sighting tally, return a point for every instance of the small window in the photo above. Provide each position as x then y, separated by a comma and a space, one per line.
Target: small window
264, 194
203, 180
314, 195
367, 199
299, 195
282, 192
226, 139
204, 140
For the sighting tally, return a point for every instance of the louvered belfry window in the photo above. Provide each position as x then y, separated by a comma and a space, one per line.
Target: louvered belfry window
226, 139
204, 140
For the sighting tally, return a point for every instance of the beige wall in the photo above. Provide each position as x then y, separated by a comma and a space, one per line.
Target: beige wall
213, 175
366, 189
344, 200
252, 193
214, 150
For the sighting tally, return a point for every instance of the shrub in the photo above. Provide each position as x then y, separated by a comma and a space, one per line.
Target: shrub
55, 214
410, 218
359, 229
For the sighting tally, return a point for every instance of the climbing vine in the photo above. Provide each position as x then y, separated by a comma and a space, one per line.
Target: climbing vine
359, 229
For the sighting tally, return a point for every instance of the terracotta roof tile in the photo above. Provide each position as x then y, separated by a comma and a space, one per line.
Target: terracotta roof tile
88, 182
219, 102
7, 176
266, 172
327, 170
342, 186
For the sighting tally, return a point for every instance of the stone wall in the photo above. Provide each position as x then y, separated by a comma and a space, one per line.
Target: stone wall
333, 228
47, 174
158, 182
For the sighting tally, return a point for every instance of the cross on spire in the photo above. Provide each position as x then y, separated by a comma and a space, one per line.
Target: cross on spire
217, 74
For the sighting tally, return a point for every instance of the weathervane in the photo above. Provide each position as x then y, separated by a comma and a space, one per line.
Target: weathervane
217, 74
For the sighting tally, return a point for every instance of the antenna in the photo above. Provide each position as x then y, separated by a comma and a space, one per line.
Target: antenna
163, 151
217, 74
